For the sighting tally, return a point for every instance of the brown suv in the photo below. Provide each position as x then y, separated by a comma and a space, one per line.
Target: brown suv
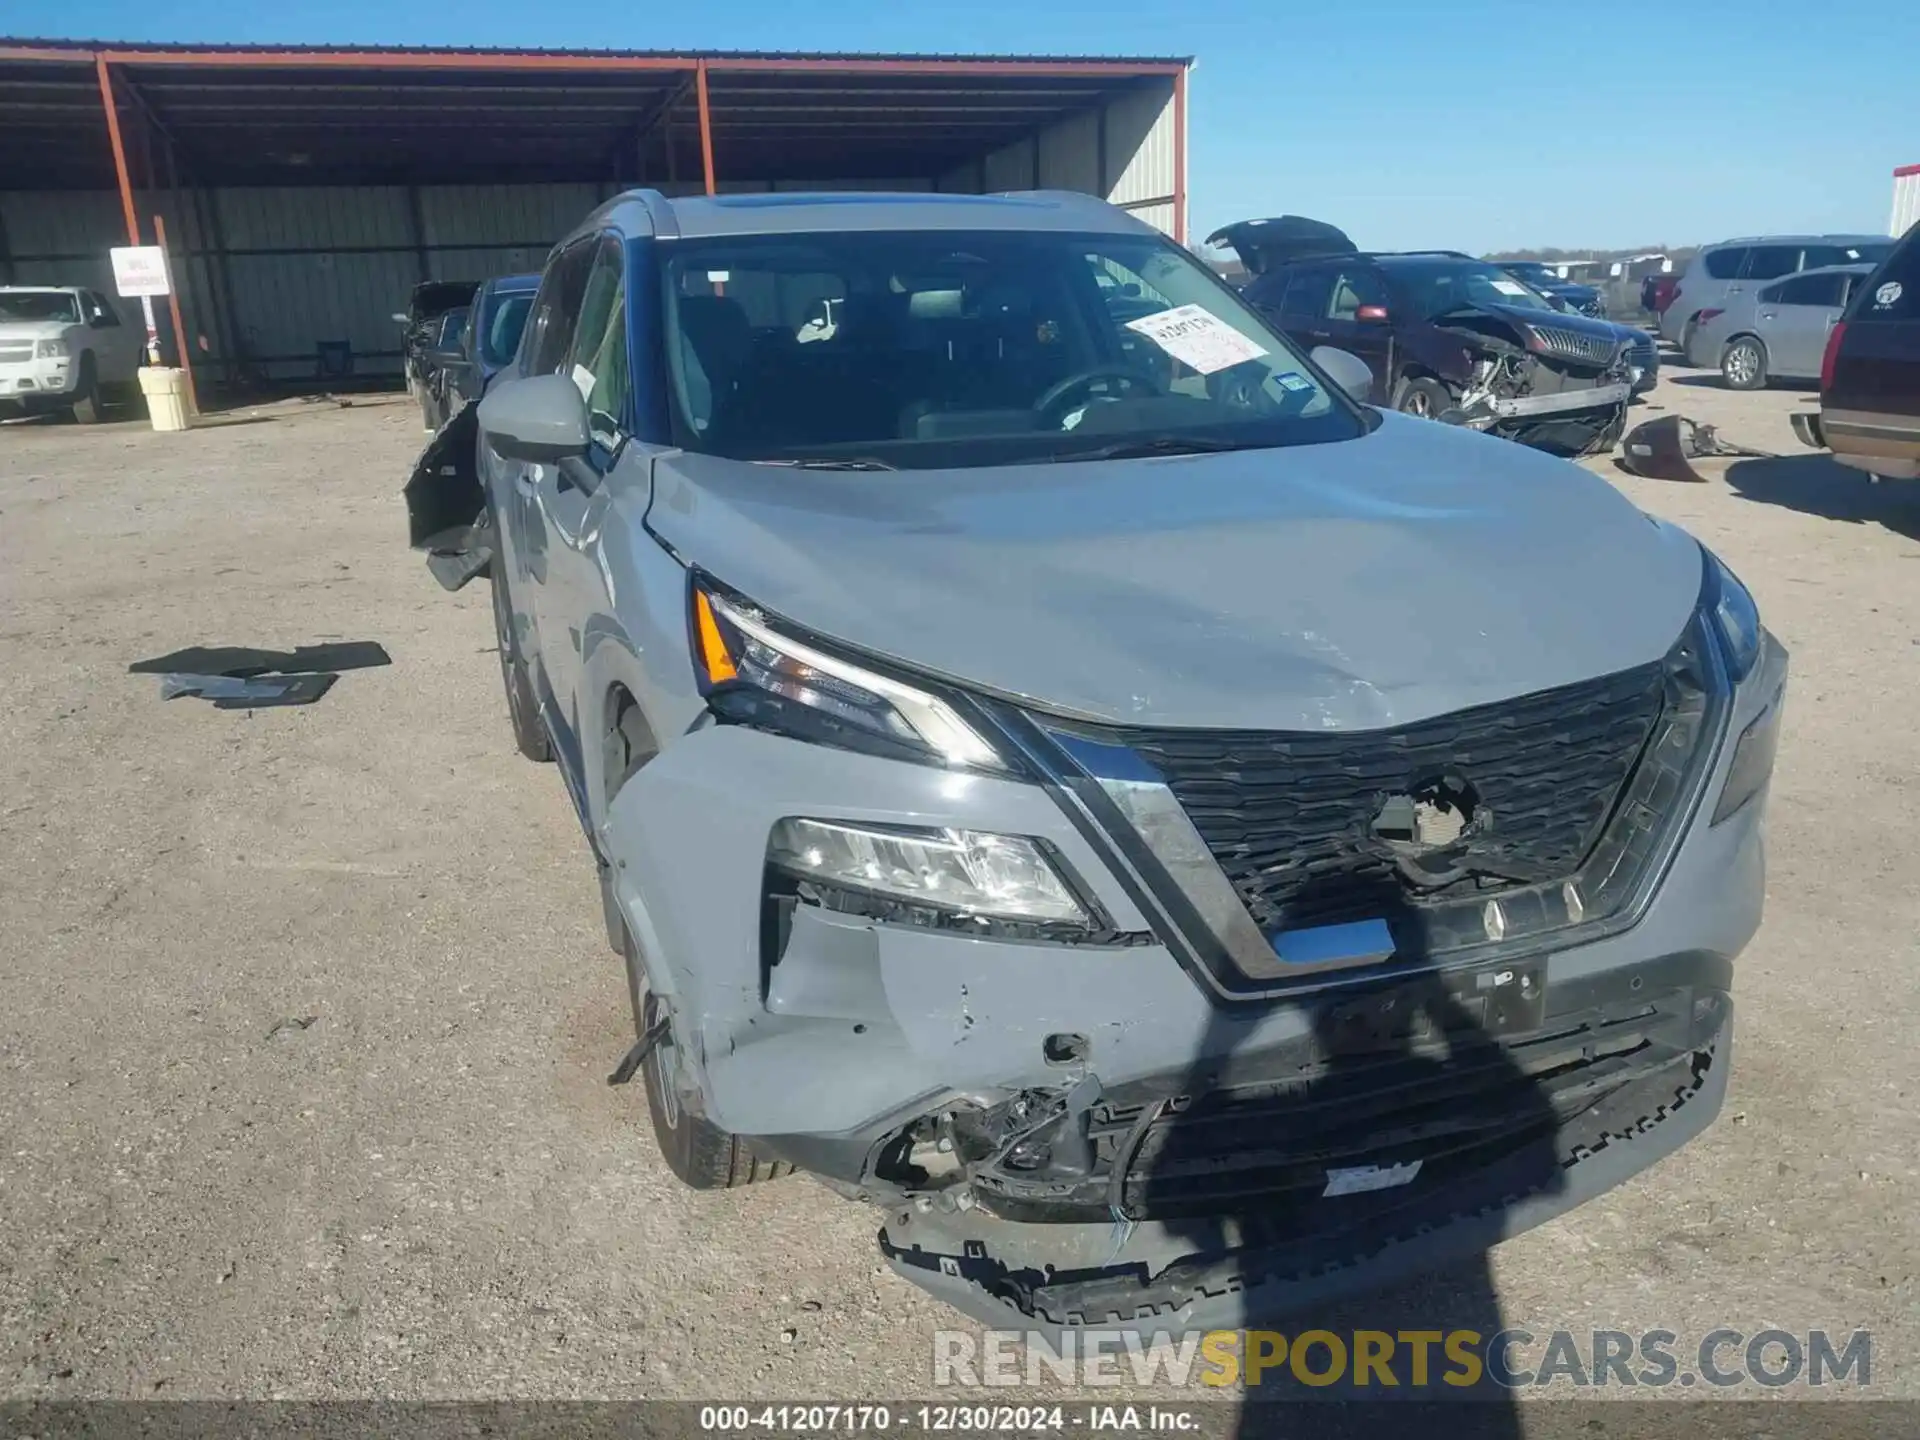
1869, 412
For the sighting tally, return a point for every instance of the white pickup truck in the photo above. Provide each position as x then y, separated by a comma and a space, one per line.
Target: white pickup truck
63, 348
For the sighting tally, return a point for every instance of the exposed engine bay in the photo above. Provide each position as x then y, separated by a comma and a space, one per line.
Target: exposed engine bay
1544, 385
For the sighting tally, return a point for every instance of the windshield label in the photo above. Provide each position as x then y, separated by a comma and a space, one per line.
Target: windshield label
1198, 339
1293, 381
1509, 287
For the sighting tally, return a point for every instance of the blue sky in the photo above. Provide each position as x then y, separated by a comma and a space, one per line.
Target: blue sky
1480, 125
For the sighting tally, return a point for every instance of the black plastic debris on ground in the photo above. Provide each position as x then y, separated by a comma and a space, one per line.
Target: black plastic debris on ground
242, 677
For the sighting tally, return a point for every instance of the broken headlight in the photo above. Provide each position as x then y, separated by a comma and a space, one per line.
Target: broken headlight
752, 674
1735, 616
963, 872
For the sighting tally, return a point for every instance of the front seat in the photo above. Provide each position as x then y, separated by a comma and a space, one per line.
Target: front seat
716, 339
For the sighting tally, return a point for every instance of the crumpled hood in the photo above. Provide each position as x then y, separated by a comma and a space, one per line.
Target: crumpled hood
1350, 585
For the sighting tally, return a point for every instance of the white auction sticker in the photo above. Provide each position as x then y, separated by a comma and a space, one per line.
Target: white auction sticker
1509, 287
1198, 338
1359, 1179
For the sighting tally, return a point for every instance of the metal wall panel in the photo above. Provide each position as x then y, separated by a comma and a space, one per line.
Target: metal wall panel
469, 215
286, 305
324, 217
1070, 155
1140, 146
1010, 167
1906, 202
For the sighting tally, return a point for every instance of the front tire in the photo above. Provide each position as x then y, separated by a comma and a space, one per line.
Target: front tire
87, 409
1422, 397
701, 1155
523, 711
1743, 365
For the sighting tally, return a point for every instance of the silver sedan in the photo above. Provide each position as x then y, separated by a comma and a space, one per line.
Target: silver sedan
1777, 332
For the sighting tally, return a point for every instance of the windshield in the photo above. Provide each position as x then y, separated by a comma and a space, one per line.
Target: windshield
502, 336
57, 305
1533, 273
1433, 287
958, 348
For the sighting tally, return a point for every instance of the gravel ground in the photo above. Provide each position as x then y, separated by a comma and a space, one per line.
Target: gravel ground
420, 1187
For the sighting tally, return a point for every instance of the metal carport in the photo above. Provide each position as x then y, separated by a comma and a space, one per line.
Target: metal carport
303, 191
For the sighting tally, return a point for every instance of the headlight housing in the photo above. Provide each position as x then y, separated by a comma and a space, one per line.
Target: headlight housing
961, 872
754, 674
55, 349
1735, 616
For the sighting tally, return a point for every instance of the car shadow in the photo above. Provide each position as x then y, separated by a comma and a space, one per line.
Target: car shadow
1713, 380
1819, 485
1400, 1073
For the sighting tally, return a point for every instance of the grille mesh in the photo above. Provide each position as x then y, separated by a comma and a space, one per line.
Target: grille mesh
1290, 816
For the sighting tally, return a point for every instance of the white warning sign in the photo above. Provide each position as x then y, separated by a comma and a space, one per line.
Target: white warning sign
1198, 338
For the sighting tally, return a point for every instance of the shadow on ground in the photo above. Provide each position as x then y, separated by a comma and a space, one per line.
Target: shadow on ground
1819, 485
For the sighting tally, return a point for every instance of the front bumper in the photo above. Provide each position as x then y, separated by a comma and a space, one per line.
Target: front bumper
29, 381
1247, 1268
1563, 402
864, 1028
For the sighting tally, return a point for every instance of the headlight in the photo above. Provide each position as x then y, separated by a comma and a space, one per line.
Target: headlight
1735, 616
966, 872
751, 674
50, 350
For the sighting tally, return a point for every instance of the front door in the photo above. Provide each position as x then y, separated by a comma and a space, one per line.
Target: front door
1794, 318
568, 501
1358, 322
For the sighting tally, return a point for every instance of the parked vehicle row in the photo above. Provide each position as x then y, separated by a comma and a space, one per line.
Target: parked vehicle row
1537, 276
420, 324
1065, 769
64, 348
1736, 267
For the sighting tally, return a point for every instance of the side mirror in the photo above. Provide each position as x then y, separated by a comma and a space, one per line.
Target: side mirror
541, 419
1371, 314
1347, 370
400, 318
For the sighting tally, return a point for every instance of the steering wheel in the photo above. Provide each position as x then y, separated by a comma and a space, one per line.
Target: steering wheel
1085, 380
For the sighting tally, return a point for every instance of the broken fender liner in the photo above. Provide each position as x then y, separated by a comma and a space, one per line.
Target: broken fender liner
256, 692
1660, 449
446, 509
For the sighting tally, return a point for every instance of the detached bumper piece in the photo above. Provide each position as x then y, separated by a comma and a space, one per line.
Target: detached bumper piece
1410, 1141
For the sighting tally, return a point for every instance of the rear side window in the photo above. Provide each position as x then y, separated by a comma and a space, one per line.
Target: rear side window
1893, 291
598, 359
1770, 262
556, 309
1725, 264
1309, 291
1807, 290
1866, 253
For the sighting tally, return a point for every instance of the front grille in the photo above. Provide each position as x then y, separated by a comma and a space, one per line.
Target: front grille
1292, 818
1644, 353
1576, 344
15, 350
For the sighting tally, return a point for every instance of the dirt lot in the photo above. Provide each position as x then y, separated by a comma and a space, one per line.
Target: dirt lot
423, 1187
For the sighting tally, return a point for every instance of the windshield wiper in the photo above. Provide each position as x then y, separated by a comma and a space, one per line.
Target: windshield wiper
832, 462
1142, 447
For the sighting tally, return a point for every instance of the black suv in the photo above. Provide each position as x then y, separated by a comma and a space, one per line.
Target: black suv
1446, 334
1870, 379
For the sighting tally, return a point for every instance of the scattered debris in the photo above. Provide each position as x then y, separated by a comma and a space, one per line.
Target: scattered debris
242, 677
1660, 449
292, 1022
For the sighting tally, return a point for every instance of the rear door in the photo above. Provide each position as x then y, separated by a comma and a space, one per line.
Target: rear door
1793, 317
1302, 312
1763, 263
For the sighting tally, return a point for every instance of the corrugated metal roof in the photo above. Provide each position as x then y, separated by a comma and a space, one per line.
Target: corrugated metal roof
89, 48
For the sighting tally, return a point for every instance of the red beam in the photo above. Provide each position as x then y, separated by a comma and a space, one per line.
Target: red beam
119, 151
706, 123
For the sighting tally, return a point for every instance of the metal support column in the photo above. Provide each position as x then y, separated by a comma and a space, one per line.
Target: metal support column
706, 123
119, 151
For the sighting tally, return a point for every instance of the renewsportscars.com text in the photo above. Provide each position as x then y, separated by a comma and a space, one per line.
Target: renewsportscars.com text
1458, 1359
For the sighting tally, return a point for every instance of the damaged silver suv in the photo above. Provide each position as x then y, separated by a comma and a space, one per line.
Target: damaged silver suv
1178, 840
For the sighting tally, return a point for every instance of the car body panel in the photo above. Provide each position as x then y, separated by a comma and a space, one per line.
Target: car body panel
1212, 575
